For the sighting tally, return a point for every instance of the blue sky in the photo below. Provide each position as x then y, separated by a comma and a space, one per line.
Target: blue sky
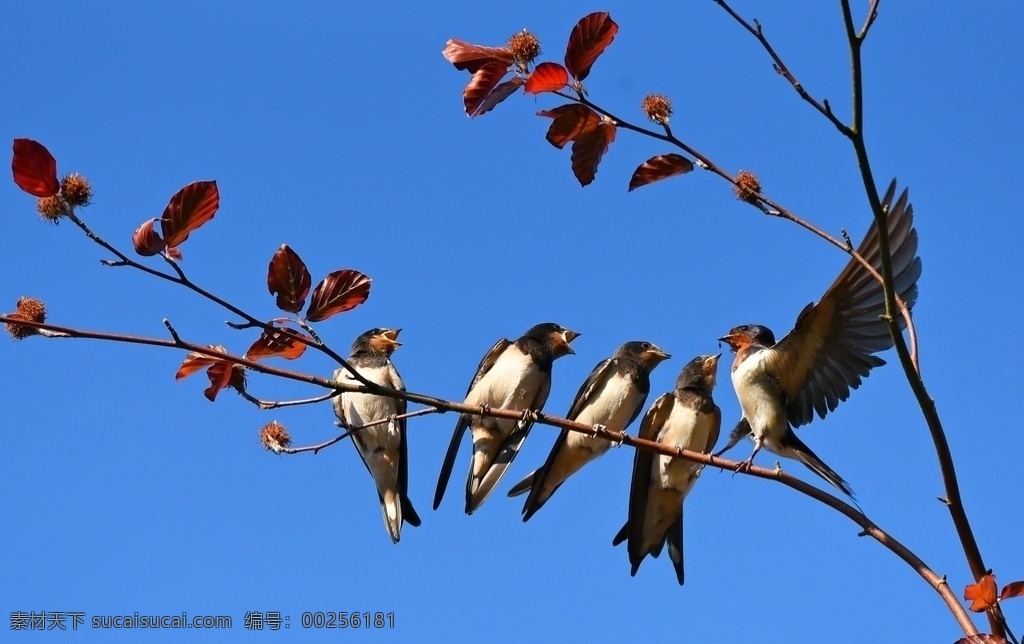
339, 130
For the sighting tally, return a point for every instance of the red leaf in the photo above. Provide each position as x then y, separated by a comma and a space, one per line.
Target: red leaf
220, 376
340, 291
588, 40
190, 208
571, 121
658, 168
197, 362
497, 95
588, 149
1012, 589
472, 57
547, 77
146, 240
281, 343
481, 84
34, 168
982, 594
289, 279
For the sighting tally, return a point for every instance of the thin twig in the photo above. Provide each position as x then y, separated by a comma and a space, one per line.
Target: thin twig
272, 404
180, 278
783, 70
351, 430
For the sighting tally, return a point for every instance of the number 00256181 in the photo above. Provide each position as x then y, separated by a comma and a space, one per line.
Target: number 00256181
340, 619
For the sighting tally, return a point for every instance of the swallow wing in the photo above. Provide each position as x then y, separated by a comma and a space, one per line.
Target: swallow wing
409, 514
490, 358
640, 485
832, 345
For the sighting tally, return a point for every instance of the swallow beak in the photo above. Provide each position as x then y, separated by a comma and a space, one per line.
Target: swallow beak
711, 363
391, 336
567, 337
656, 355
730, 339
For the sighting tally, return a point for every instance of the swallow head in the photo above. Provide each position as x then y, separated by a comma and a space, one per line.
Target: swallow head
700, 373
745, 335
555, 336
377, 342
650, 355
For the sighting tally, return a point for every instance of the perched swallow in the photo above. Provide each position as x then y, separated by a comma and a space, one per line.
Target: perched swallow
612, 396
686, 418
513, 375
382, 447
781, 384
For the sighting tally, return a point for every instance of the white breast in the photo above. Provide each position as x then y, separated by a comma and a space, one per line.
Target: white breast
612, 406
689, 430
759, 397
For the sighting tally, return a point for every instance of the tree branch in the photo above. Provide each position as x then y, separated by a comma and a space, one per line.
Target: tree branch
436, 405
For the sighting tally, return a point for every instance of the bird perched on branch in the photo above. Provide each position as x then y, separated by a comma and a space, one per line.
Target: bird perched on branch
780, 385
513, 376
382, 447
612, 397
688, 419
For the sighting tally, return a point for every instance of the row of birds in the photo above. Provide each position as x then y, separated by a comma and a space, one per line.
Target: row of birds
780, 386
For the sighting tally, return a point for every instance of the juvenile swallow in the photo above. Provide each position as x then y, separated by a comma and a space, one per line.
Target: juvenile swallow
781, 384
382, 447
686, 418
612, 396
513, 375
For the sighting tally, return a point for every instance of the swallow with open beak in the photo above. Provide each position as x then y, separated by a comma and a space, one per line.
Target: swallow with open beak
688, 419
383, 446
612, 397
513, 376
780, 385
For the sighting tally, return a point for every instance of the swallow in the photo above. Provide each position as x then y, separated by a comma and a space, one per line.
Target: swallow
612, 397
780, 385
515, 376
382, 447
688, 419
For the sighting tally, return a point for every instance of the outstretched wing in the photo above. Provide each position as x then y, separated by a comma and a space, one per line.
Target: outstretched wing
832, 346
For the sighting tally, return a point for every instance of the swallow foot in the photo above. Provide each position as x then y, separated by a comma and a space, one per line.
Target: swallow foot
392, 426
744, 466
528, 417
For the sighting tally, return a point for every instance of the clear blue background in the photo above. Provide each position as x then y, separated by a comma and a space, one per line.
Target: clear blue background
339, 129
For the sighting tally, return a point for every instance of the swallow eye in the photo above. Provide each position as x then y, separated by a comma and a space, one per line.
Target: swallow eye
645, 345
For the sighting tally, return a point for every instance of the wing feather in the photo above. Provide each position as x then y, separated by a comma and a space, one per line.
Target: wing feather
830, 349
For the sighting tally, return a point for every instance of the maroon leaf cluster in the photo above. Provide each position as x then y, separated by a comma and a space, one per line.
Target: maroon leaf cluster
221, 372
579, 123
188, 209
288, 279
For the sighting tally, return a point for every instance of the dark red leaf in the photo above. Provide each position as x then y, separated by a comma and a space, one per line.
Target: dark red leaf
547, 77
220, 375
1012, 589
481, 84
289, 279
589, 38
146, 240
472, 57
658, 168
281, 343
982, 594
571, 121
174, 253
340, 291
588, 149
497, 95
197, 362
983, 638
34, 168
190, 208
